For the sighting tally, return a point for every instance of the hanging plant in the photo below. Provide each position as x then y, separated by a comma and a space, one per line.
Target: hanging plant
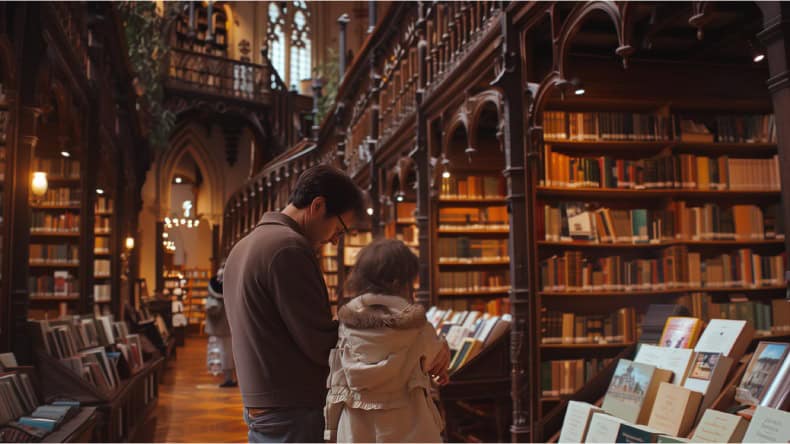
144, 26
329, 73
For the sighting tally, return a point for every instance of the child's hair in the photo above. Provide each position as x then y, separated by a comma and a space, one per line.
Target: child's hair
383, 267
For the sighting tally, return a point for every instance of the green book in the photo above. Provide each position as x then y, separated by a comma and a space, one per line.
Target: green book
634, 433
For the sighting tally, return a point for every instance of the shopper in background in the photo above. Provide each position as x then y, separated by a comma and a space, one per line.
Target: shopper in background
386, 355
217, 326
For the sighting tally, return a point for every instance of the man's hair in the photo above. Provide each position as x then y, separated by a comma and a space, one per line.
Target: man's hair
335, 186
386, 266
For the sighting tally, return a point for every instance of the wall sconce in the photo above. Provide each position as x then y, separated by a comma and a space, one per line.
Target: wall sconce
39, 184
129, 243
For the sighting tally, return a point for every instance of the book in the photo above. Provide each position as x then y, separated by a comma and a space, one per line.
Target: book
670, 439
676, 360
633, 389
718, 426
778, 394
655, 320
763, 369
7, 360
681, 332
576, 421
629, 433
768, 425
674, 410
707, 375
603, 428
728, 337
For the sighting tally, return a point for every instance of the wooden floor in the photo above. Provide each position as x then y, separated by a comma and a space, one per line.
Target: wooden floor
191, 407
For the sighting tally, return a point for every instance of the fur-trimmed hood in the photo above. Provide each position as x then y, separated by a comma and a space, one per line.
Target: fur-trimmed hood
369, 311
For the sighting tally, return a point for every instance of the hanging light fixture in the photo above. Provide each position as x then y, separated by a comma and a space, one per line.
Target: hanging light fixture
445, 167
129, 243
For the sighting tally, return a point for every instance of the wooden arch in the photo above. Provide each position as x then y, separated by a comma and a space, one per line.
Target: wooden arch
573, 23
481, 102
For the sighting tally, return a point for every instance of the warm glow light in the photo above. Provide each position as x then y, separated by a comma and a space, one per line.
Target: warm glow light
579, 91
370, 211
65, 154
183, 221
99, 191
178, 179
758, 57
197, 222
130, 243
446, 174
165, 235
399, 198
39, 184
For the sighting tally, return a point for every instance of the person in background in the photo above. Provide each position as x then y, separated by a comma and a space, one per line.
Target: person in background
386, 355
217, 325
278, 307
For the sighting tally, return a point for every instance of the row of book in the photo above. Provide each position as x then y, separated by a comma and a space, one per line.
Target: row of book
465, 248
467, 332
570, 328
59, 283
43, 221
680, 221
601, 126
465, 281
101, 245
473, 187
101, 293
103, 204
676, 268
54, 253
58, 167
329, 264
767, 318
682, 171
669, 390
565, 377
61, 196
467, 216
590, 126
101, 267
101, 224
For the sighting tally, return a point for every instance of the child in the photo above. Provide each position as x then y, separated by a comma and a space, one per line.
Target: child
217, 326
379, 382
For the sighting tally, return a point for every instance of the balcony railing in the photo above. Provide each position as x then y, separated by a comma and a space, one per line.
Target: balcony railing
229, 78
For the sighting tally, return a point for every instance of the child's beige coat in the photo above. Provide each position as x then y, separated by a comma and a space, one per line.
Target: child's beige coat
379, 390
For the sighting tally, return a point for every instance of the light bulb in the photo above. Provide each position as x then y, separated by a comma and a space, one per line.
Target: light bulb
758, 57
178, 179
446, 174
65, 154
39, 184
129, 243
99, 191
370, 211
165, 235
579, 91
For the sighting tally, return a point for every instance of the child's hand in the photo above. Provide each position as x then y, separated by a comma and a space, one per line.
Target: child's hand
442, 378
441, 361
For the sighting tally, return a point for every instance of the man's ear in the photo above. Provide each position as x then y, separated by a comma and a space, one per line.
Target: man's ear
318, 205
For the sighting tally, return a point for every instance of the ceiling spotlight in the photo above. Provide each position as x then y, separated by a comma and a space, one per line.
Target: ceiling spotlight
758, 57
579, 91
400, 197
99, 191
65, 154
370, 211
179, 179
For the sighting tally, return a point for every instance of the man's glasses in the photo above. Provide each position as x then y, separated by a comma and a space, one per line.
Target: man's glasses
345, 228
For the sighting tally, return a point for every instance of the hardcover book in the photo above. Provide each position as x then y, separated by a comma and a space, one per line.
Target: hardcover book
674, 410
576, 421
763, 369
718, 426
728, 337
676, 360
629, 433
707, 375
633, 389
603, 428
768, 425
680, 332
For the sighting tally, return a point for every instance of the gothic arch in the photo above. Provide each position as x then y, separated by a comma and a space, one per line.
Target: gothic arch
187, 141
574, 21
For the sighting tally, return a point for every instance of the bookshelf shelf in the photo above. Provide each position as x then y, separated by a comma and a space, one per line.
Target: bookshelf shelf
44, 297
42, 233
462, 262
650, 148
55, 207
673, 292
622, 245
473, 293
53, 265
584, 346
614, 193
473, 231
460, 201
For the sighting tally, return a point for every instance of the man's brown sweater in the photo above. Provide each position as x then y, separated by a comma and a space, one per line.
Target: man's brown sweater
280, 320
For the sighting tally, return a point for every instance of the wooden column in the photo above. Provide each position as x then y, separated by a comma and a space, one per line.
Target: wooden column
216, 255
524, 328
342, 21
776, 38
420, 156
372, 142
160, 257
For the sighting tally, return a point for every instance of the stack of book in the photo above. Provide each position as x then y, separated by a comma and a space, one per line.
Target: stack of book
473, 187
591, 126
471, 281
54, 254
465, 249
565, 377
46, 222
60, 284
467, 332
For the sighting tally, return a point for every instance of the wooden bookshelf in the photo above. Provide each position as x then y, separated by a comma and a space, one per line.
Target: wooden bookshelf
195, 294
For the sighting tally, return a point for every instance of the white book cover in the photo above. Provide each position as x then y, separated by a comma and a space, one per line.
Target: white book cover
603, 428
576, 421
720, 336
768, 425
676, 360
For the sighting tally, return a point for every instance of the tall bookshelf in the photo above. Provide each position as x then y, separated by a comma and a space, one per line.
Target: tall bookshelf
650, 204
329, 267
103, 252
195, 294
55, 239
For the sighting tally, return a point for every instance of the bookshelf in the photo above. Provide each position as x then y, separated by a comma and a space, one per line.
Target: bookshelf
199, 43
329, 261
195, 293
103, 251
55, 240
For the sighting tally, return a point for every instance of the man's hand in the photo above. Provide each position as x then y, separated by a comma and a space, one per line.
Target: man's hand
440, 363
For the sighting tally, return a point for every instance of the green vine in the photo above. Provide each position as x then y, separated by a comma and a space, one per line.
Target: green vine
144, 27
328, 72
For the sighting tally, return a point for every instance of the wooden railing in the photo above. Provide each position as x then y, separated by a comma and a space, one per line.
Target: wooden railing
376, 99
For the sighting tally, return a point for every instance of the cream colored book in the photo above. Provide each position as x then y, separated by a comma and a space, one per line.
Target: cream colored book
633, 389
603, 428
725, 336
676, 360
674, 410
577, 421
707, 375
768, 425
718, 426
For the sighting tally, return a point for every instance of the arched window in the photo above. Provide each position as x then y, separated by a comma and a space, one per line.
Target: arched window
289, 41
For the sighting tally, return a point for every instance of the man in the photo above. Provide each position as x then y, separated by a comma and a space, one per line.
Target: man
278, 308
